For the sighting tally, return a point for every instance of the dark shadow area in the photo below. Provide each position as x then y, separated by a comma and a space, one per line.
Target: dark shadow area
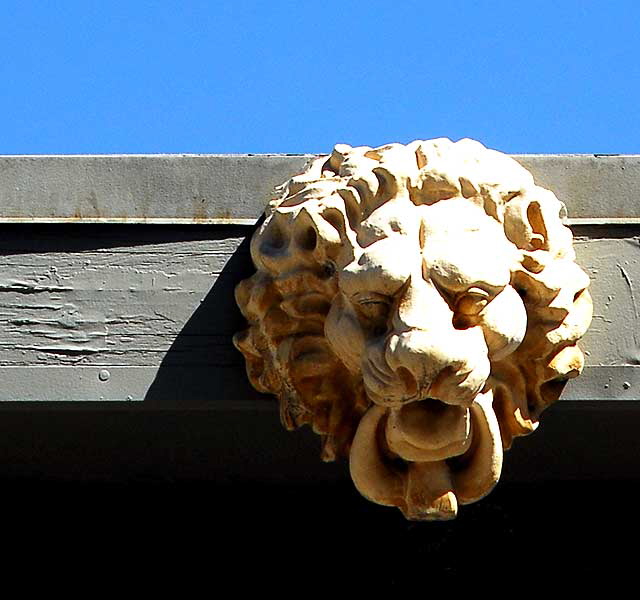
607, 231
247, 447
301, 538
222, 446
45, 238
578, 440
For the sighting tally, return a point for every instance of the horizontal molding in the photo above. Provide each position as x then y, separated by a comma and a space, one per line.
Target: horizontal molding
603, 221
234, 189
215, 388
172, 189
617, 383
175, 387
127, 221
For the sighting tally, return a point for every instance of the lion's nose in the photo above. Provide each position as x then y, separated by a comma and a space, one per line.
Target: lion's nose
415, 359
451, 367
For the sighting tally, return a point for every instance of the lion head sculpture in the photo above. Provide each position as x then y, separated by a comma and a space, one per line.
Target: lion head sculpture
419, 307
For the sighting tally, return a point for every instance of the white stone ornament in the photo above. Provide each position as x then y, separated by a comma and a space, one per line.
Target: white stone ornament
419, 306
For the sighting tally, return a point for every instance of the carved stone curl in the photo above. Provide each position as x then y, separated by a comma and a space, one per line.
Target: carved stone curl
419, 307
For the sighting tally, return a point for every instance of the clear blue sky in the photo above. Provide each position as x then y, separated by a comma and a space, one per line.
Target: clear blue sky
190, 76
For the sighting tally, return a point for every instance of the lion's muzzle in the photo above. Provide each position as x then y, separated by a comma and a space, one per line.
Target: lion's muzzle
417, 364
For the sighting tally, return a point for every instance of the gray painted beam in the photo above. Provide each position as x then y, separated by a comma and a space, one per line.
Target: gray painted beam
197, 189
216, 387
143, 317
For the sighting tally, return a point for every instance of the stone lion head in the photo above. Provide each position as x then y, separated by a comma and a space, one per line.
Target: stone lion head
419, 307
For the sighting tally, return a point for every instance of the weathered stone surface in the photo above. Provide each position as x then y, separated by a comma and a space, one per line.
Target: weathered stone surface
149, 189
419, 307
214, 189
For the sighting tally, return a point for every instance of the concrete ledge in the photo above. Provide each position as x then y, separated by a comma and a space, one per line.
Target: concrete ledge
234, 189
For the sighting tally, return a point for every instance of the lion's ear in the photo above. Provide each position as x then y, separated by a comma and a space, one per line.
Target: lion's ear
533, 222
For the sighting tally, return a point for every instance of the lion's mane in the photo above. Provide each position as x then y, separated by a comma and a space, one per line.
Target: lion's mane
309, 234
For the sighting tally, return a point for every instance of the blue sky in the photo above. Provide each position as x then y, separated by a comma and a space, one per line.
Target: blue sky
235, 77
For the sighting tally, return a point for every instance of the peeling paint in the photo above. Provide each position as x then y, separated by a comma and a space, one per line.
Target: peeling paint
612, 339
627, 279
634, 325
68, 350
28, 287
120, 305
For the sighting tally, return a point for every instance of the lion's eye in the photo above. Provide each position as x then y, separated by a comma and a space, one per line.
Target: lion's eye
472, 302
372, 306
468, 306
